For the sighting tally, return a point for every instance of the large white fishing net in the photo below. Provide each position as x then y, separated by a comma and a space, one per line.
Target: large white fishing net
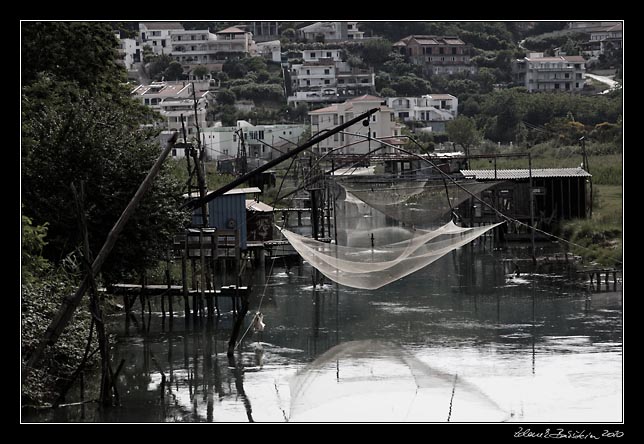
374, 266
415, 202
367, 381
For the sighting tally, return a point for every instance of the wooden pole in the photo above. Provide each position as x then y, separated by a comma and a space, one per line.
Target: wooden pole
240, 180
184, 278
71, 302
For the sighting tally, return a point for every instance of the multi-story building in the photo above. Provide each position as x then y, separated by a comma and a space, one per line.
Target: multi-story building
263, 31
129, 51
156, 35
437, 55
331, 31
603, 39
172, 99
432, 110
353, 140
560, 73
263, 142
325, 77
203, 47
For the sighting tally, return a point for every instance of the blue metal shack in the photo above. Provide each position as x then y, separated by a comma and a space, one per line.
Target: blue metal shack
228, 212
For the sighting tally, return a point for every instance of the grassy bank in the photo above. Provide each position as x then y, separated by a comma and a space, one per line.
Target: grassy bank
601, 235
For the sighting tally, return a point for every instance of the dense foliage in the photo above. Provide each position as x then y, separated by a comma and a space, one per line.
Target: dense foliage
80, 125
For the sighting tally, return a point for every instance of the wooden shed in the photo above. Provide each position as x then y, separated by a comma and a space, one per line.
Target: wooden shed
559, 194
228, 212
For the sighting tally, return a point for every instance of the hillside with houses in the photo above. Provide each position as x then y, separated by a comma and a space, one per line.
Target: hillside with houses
277, 72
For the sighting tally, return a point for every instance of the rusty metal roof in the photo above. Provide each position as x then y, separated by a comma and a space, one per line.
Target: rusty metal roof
525, 173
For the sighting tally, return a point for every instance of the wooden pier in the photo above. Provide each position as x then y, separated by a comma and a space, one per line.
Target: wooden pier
131, 292
594, 276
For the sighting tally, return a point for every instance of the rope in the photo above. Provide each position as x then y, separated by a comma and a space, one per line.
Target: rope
258, 307
500, 214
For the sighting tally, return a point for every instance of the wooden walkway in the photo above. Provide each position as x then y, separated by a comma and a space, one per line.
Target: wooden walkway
130, 292
594, 276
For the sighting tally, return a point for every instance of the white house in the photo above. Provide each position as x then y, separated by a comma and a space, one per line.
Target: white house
156, 35
560, 73
172, 99
271, 50
381, 125
434, 110
129, 50
263, 142
331, 31
202, 47
325, 77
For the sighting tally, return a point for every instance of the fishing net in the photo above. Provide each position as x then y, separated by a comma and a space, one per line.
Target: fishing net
415, 202
381, 381
394, 252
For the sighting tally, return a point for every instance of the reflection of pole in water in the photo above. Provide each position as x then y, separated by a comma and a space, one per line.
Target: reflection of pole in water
533, 326
207, 371
238, 373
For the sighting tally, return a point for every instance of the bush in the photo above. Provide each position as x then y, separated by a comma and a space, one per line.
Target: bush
43, 289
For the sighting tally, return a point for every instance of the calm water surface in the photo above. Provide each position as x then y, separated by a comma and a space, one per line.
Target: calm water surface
458, 341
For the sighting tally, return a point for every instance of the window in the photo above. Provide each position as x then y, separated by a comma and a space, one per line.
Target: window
453, 50
327, 82
335, 119
373, 118
326, 71
329, 55
313, 55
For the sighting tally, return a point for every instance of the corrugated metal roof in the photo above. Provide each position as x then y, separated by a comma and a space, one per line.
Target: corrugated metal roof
260, 207
525, 173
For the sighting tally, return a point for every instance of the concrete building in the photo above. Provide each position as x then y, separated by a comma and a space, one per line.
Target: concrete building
381, 125
331, 31
325, 78
263, 31
438, 55
263, 142
129, 50
172, 99
561, 73
432, 110
203, 47
156, 35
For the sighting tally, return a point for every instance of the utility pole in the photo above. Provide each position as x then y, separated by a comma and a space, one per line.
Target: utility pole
586, 167
534, 256
242, 163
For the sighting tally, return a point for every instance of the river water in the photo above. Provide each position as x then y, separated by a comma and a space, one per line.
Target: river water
461, 340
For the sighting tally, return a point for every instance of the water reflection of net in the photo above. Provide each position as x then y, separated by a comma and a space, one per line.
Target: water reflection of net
380, 381
418, 203
380, 264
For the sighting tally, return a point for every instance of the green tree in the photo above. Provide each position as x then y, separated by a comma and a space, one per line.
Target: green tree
174, 71
226, 97
200, 71
98, 135
85, 52
410, 86
462, 131
376, 51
